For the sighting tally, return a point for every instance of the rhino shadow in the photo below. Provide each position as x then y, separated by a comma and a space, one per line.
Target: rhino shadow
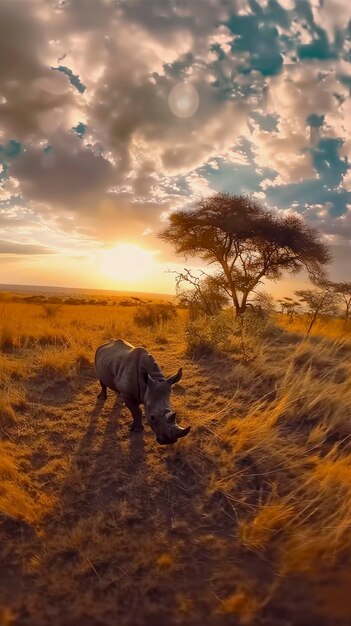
55, 389
85, 444
106, 452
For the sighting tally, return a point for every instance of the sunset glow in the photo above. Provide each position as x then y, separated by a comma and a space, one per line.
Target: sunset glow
176, 102
126, 263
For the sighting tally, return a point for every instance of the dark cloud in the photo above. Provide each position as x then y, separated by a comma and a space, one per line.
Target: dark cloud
69, 175
73, 79
31, 92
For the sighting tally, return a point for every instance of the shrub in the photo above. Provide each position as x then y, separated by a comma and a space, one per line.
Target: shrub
154, 314
250, 328
206, 333
126, 303
51, 310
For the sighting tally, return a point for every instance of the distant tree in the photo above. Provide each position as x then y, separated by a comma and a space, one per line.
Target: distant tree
200, 294
322, 301
290, 307
282, 305
153, 315
262, 302
246, 242
344, 292
139, 301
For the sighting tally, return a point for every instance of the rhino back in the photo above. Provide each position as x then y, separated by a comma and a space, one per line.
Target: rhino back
110, 359
132, 376
124, 368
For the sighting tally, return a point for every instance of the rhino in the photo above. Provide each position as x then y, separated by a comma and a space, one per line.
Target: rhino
137, 377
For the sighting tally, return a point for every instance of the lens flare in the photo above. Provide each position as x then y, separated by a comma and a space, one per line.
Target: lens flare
183, 100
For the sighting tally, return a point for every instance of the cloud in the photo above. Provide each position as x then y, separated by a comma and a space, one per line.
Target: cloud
8, 188
113, 172
297, 94
347, 180
33, 96
100, 156
67, 175
332, 16
9, 247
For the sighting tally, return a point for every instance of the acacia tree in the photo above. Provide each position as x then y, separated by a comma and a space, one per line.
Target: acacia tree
246, 242
344, 292
322, 301
290, 307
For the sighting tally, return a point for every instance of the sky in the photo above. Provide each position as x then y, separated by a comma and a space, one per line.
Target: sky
115, 112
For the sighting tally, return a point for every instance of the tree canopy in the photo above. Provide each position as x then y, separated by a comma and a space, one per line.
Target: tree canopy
246, 241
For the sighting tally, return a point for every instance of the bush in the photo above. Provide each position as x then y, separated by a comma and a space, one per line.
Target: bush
206, 333
153, 315
126, 303
250, 328
51, 310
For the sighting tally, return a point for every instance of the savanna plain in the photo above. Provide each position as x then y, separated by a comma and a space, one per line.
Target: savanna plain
245, 521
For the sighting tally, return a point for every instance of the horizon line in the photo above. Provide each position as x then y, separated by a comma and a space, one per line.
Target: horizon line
4, 286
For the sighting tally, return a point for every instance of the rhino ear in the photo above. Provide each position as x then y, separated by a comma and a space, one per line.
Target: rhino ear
151, 383
172, 418
175, 378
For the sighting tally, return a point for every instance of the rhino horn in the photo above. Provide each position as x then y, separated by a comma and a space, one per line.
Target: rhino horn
178, 431
175, 378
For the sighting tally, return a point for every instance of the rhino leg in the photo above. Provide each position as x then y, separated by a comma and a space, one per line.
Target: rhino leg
103, 393
137, 423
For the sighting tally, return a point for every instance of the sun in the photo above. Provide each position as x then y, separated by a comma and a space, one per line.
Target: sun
126, 263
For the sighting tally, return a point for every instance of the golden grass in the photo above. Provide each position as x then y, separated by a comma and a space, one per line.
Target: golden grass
19, 497
246, 519
323, 327
12, 393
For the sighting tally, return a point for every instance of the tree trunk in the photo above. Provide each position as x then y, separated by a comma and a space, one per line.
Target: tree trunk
236, 305
314, 317
242, 307
240, 311
236, 310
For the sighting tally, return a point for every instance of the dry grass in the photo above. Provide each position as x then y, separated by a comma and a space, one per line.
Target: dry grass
19, 498
323, 327
246, 521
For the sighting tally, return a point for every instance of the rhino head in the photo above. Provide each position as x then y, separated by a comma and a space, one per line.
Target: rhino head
158, 411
